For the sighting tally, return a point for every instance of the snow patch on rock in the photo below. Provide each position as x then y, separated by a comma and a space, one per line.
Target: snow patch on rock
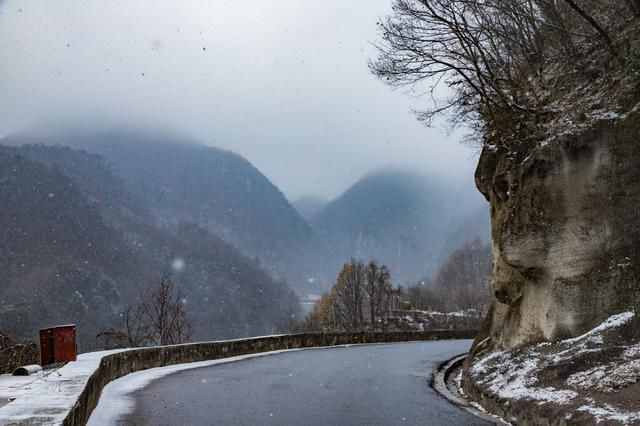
519, 373
606, 412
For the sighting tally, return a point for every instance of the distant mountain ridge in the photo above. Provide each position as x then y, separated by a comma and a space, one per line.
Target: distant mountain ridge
180, 180
400, 218
76, 246
405, 219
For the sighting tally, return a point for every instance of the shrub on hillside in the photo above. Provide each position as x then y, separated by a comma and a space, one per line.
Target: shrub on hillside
14, 353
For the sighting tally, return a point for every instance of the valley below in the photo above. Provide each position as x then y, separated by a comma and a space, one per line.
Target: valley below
93, 218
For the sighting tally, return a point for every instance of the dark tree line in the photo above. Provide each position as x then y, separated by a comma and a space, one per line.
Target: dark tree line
461, 284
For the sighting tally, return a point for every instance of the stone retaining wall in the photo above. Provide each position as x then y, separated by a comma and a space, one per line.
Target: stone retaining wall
117, 365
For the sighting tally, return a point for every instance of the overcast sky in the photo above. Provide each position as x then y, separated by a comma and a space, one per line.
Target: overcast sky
282, 82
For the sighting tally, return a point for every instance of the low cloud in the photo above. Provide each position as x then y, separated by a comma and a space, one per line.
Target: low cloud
282, 82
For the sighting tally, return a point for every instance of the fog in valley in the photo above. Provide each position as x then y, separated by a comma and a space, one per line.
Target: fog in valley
240, 151
283, 83
319, 212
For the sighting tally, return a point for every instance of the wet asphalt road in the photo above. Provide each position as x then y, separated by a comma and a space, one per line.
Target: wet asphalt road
358, 385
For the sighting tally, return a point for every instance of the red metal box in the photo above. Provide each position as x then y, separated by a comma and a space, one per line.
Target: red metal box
58, 344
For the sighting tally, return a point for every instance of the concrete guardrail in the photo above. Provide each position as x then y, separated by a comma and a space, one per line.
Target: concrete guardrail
120, 364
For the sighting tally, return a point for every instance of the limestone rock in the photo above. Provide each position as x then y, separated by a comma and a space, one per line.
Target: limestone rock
566, 233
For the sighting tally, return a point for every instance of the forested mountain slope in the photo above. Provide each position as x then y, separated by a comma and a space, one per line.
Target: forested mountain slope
178, 180
404, 219
79, 246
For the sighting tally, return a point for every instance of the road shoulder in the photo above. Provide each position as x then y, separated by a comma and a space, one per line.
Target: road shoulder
446, 382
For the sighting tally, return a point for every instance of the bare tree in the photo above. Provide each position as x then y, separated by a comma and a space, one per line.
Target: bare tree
14, 353
506, 61
383, 290
322, 317
377, 289
349, 293
361, 295
594, 23
164, 306
462, 282
370, 288
160, 317
291, 312
469, 45
132, 332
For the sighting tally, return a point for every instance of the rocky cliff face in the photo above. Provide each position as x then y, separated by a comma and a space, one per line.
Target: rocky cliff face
566, 231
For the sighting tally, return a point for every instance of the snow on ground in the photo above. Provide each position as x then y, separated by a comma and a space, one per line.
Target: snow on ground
595, 335
523, 373
607, 377
606, 412
47, 397
415, 319
516, 379
465, 313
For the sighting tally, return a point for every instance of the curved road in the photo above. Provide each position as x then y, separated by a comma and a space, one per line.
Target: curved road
357, 385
